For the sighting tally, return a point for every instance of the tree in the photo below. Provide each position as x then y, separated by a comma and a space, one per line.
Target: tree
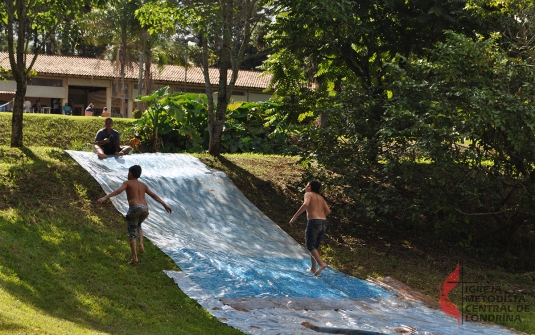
224, 29
326, 46
115, 26
518, 26
76, 36
27, 22
469, 111
359, 36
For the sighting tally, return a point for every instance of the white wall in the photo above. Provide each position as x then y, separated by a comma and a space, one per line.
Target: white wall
254, 97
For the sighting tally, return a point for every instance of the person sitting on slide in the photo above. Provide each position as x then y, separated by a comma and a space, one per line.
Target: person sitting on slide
108, 141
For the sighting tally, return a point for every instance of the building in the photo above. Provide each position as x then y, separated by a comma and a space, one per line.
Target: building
79, 81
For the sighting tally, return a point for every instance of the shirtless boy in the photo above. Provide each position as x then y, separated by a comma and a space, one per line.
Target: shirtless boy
138, 211
317, 211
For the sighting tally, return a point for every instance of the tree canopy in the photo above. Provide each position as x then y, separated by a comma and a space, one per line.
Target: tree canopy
223, 30
431, 113
29, 26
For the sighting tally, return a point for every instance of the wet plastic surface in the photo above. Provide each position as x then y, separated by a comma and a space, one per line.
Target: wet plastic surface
248, 272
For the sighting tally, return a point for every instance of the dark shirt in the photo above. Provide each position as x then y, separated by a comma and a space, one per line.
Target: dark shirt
109, 148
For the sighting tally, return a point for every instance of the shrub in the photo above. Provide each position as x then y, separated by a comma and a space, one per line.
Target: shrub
136, 114
446, 147
177, 122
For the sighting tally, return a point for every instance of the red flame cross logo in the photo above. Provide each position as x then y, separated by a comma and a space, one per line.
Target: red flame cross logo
447, 306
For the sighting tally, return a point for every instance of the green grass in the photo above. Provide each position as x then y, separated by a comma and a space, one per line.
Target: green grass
63, 259
65, 132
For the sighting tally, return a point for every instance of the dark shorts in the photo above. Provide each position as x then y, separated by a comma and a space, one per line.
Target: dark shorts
315, 233
110, 150
135, 216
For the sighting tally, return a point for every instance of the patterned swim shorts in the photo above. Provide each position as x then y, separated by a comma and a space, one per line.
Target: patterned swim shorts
135, 216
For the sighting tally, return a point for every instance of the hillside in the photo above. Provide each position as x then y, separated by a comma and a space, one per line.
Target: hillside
63, 259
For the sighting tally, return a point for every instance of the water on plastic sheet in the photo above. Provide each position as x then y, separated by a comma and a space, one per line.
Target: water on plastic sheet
228, 249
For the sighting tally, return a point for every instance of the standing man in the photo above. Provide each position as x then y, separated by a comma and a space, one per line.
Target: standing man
108, 141
27, 106
317, 211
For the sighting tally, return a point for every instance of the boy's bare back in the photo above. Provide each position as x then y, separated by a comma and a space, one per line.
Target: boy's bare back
135, 192
317, 207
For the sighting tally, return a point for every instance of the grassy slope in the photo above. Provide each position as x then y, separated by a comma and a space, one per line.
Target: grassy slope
63, 259
57, 247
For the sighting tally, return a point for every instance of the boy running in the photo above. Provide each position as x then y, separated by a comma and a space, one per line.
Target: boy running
317, 211
138, 211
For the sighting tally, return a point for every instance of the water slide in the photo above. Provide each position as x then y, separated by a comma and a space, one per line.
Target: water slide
247, 272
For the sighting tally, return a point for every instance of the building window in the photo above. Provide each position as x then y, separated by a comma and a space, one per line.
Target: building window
154, 87
189, 90
45, 82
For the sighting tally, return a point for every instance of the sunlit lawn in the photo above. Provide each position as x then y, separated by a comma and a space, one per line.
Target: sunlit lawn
63, 259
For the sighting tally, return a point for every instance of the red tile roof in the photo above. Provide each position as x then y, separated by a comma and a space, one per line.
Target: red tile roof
99, 68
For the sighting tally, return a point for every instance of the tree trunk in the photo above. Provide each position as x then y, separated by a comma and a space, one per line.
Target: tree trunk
230, 58
18, 24
214, 147
17, 117
18, 64
225, 62
18, 69
147, 59
147, 78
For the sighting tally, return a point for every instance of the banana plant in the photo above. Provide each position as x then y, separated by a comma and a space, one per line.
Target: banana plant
156, 114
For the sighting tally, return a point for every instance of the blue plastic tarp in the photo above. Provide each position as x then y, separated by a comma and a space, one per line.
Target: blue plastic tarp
246, 270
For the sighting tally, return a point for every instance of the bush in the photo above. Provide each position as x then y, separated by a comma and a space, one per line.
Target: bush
136, 114
446, 147
177, 122
65, 132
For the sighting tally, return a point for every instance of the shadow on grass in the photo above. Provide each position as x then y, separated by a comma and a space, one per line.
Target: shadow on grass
10, 327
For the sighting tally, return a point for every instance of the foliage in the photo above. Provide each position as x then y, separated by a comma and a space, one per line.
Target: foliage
254, 127
335, 40
137, 114
224, 30
177, 122
453, 154
29, 22
173, 122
